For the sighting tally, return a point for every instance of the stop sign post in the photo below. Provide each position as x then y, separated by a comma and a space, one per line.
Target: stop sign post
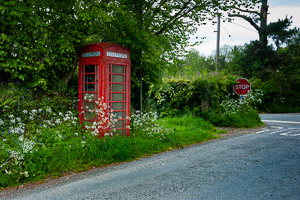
242, 87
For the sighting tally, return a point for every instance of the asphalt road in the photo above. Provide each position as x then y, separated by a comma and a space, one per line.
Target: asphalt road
261, 165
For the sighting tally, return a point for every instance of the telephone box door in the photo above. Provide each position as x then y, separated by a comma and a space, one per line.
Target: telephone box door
104, 81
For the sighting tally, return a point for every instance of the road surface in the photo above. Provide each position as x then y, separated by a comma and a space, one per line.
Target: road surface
261, 165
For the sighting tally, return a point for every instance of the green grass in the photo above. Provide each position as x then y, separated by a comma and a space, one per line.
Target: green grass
247, 119
190, 129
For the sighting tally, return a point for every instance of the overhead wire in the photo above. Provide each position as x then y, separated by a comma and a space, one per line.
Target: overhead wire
228, 34
244, 27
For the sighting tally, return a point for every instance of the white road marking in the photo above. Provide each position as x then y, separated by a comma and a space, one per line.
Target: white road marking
264, 130
291, 135
273, 132
277, 121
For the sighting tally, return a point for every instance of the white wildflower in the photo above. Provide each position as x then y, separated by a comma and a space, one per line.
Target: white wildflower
7, 172
48, 109
57, 121
26, 144
15, 154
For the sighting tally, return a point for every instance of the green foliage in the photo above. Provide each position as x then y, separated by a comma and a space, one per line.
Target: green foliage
282, 89
177, 97
192, 65
190, 128
60, 145
15, 99
253, 60
276, 72
31, 144
40, 40
279, 31
239, 119
211, 97
237, 112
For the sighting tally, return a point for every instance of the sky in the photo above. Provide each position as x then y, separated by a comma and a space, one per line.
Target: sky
241, 31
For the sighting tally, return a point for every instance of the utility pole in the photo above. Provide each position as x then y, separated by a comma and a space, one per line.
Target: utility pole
218, 42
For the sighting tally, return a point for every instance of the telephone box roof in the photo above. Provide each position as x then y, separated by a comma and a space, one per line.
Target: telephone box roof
105, 45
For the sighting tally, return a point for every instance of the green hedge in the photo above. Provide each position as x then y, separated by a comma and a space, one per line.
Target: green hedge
209, 96
178, 96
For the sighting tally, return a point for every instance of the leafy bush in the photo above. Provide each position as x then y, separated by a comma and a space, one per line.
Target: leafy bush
241, 120
209, 96
177, 97
237, 112
14, 99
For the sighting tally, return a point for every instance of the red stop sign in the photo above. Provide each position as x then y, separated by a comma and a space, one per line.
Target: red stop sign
242, 87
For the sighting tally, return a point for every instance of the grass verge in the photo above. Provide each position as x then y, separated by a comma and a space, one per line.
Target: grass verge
72, 155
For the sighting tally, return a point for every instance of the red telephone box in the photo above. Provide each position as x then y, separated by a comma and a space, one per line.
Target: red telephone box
104, 88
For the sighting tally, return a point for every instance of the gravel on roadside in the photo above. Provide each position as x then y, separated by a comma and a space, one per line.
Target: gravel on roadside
232, 132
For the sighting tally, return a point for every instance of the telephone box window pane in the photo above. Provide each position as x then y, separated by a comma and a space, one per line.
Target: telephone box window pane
89, 97
89, 106
89, 87
117, 69
89, 78
117, 78
88, 123
117, 87
89, 68
119, 124
117, 97
117, 106
118, 115
89, 116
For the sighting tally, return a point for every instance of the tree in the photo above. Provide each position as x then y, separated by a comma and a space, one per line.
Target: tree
193, 65
279, 31
257, 19
287, 79
40, 39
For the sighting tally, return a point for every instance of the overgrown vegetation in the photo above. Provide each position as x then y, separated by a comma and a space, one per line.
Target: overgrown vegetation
38, 143
209, 96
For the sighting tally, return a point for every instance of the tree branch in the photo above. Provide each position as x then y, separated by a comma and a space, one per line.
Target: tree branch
177, 15
247, 11
248, 19
180, 14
